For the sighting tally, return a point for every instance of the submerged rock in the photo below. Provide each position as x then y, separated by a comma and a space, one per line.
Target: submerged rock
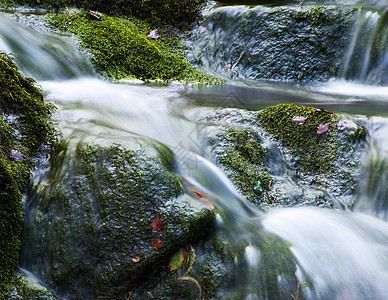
275, 161
91, 229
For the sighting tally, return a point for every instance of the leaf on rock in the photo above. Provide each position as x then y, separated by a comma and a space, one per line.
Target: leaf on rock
341, 125
157, 244
154, 34
136, 259
299, 119
177, 260
16, 155
157, 224
95, 14
205, 202
322, 128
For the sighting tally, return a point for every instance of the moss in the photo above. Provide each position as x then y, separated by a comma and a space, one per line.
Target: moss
315, 152
24, 126
242, 160
93, 218
120, 49
178, 14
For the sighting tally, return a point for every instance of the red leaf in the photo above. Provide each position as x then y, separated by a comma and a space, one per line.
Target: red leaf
322, 128
157, 224
157, 244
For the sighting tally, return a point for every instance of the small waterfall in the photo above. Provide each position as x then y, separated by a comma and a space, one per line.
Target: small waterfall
366, 58
42, 55
373, 187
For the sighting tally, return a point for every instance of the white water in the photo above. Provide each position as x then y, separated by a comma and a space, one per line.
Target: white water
344, 254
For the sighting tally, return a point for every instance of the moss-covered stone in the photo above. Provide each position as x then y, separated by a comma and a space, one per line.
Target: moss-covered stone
158, 12
120, 49
221, 268
274, 160
90, 231
24, 126
27, 288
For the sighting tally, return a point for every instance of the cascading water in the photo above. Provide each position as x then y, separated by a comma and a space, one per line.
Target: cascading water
339, 254
366, 58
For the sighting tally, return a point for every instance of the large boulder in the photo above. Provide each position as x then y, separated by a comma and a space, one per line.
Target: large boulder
287, 155
277, 44
24, 127
108, 218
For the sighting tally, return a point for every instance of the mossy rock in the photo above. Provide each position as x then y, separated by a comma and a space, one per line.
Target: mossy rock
28, 288
178, 14
120, 49
24, 127
274, 160
227, 267
90, 230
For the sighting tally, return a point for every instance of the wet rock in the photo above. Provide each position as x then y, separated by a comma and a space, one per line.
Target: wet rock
274, 161
29, 288
227, 267
97, 240
281, 43
24, 127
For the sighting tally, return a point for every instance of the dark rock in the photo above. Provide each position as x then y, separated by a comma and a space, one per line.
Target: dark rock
280, 44
97, 240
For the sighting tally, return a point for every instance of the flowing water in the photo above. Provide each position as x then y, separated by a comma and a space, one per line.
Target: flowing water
342, 254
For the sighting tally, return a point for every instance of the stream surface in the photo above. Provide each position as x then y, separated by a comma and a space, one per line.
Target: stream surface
345, 252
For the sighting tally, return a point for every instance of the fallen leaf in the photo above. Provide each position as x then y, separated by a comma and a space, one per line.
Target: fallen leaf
177, 260
154, 34
136, 259
341, 125
157, 224
228, 67
157, 244
16, 155
95, 14
299, 119
205, 202
322, 128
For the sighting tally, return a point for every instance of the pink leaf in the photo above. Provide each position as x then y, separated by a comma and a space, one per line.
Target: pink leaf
322, 128
341, 125
154, 34
299, 119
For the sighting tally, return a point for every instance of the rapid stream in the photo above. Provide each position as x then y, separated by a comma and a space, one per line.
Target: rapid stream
342, 253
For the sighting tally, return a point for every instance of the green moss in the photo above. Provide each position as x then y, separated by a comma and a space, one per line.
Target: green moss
242, 159
120, 49
24, 126
315, 153
178, 14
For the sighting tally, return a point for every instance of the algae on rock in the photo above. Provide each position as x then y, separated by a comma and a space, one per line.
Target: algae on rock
89, 233
274, 160
24, 127
120, 49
